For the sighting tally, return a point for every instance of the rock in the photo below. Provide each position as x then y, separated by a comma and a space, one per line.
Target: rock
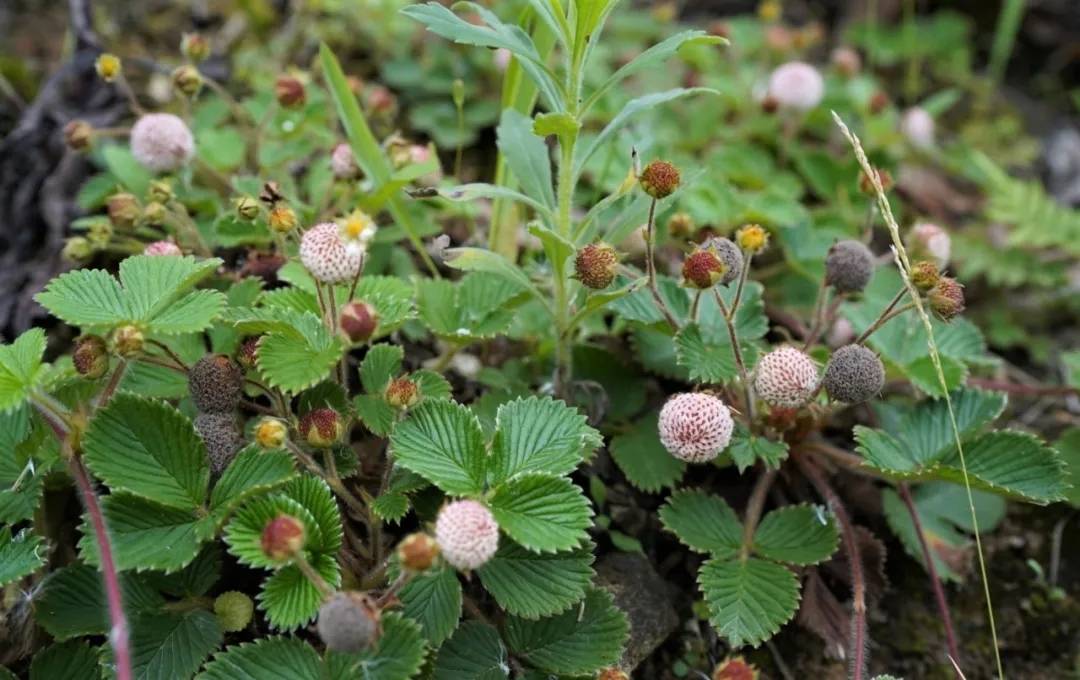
645, 597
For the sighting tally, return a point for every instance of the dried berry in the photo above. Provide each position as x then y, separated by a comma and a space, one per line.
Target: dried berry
797, 86
595, 265
222, 438
91, 357
321, 428
703, 269
854, 374
271, 433
730, 254
467, 534
925, 275
78, 134
417, 552
289, 91
402, 393
786, 378
349, 622
695, 427
282, 219
123, 209
282, 538
752, 238
659, 179
161, 142
324, 254
160, 248
946, 298
215, 383
849, 266
127, 341
358, 321
233, 610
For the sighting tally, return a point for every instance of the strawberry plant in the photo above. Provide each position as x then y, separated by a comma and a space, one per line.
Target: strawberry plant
332, 412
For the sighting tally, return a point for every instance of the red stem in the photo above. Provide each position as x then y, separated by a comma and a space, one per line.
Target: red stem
931, 568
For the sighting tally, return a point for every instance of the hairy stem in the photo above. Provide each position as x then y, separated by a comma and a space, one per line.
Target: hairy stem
114, 382
744, 375
650, 268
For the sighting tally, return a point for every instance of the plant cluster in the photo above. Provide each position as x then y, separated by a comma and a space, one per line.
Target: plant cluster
313, 440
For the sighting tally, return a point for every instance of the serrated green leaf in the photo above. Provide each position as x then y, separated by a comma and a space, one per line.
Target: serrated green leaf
1010, 463
71, 660
432, 385
433, 599
253, 470
391, 507
244, 531
796, 534
479, 305
708, 358
703, 522
377, 415
539, 434
475, 652
20, 368
442, 441
300, 358
531, 585
289, 599
1067, 445
643, 459
273, 658
746, 449
150, 449
194, 580
578, 641
481, 260
381, 363
748, 600
543, 514
923, 374
20, 555
171, 644
72, 601
398, 654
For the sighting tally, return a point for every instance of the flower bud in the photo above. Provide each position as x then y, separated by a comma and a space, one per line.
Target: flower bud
349, 622
734, 668
154, 213
358, 321
595, 265
289, 91
929, 241
161, 191
849, 266
321, 428
77, 249
233, 610
925, 275
271, 433
123, 209
946, 298
659, 179
186, 80
866, 186
402, 393
417, 552
247, 208
78, 134
282, 538
108, 66
702, 269
91, 357
127, 341
282, 219
100, 233
752, 238
681, 226
195, 47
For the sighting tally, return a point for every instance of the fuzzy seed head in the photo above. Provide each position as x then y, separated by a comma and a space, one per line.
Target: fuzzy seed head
358, 321
786, 378
752, 238
77, 134
127, 341
854, 374
289, 91
730, 254
162, 248
161, 142
91, 357
222, 438
271, 433
849, 266
282, 538
343, 162
123, 209
417, 552
402, 393
215, 382
467, 534
929, 241
659, 179
703, 269
595, 265
325, 254
233, 610
797, 85
349, 622
695, 427
681, 225
946, 298
917, 125
108, 67
925, 275
321, 428
735, 668
866, 185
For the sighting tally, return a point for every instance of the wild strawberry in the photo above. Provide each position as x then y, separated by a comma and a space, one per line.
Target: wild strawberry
78, 134
325, 255
215, 383
91, 357
282, 538
402, 393
417, 552
127, 341
695, 427
925, 275
946, 298
289, 91
659, 179
160, 248
595, 265
702, 269
282, 219
343, 162
752, 238
786, 378
321, 428
797, 86
917, 125
853, 375
467, 534
929, 241
681, 225
195, 47
849, 266
349, 622
233, 610
735, 668
161, 142
247, 352
222, 438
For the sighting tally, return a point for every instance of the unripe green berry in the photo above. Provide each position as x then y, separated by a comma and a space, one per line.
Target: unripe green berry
77, 249
247, 208
271, 433
234, 610
417, 552
123, 209
854, 374
681, 225
925, 275
127, 341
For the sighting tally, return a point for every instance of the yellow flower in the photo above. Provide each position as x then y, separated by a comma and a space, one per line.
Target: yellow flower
108, 67
752, 238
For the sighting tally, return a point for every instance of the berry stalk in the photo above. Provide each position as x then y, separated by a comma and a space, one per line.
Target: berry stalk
650, 268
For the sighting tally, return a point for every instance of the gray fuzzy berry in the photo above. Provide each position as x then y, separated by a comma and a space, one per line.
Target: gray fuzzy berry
215, 383
730, 254
222, 438
849, 266
854, 374
349, 622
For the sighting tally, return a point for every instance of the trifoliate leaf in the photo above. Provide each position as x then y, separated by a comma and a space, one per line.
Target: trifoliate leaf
1067, 445
655, 352
798, 534
579, 641
20, 555
746, 449
20, 368
397, 655
274, 658
539, 434
643, 459
147, 535
297, 361
543, 514
150, 449
475, 652
531, 585
171, 644
748, 600
442, 441
703, 522
290, 599
253, 470
71, 660
72, 601
380, 364
433, 599
479, 305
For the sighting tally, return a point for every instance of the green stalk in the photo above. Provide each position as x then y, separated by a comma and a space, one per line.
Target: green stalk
565, 197
1008, 25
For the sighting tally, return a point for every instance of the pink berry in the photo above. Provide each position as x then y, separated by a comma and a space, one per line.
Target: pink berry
162, 142
931, 241
786, 378
325, 255
343, 163
467, 534
695, 427
797, 85
162, 248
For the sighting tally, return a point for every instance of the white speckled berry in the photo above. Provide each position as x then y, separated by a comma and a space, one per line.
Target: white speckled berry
161, 142
467, 534
786, 378
695, 427
797, 85
325, 254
